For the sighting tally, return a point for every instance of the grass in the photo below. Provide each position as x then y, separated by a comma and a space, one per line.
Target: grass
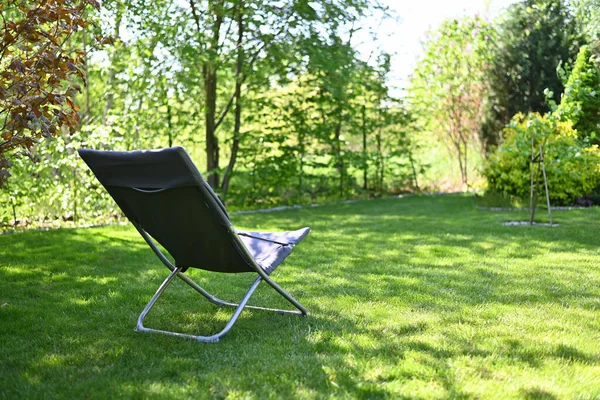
421, 297
492, 199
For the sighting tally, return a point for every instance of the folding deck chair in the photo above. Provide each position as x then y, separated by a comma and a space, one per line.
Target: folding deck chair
164, 196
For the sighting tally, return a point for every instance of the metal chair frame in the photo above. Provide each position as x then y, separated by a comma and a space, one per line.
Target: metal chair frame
177, 271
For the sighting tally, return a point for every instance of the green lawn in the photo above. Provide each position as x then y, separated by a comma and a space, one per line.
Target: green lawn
422, 297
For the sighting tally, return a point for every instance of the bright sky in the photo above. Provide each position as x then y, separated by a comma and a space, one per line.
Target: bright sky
403, 38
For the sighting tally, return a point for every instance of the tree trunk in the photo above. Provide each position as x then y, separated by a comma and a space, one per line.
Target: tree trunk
112, 73
465, 166
14, 211
76, 182
232, 159
133, 143
460, 162
414, 170
338, 151
209, 74
235, 145
302, 147
169, 124
364, 138
255, 156
212, 144
380, 165
86, 115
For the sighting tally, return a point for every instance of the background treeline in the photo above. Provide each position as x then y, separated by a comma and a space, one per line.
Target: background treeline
270, 98
500, 93
276, 105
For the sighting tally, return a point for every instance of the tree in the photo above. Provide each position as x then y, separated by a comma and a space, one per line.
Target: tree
263, 29
275, 79
448, 87
580, 103
588, 15
39, 72
533, 37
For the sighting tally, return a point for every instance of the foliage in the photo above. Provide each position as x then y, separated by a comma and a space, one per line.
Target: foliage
291, 124
229, 49
397, 169
572, 168
448, 87
65, 191
39, 70
588, 15
580, 103
438, 301
533, 38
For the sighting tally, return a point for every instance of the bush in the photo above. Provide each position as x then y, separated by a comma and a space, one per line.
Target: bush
580, 103
53, 186
572, 166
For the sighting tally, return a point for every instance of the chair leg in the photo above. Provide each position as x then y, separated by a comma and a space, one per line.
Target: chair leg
208, 339
216, 300
302, 311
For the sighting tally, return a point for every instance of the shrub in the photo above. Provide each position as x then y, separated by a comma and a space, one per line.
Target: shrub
53, 185
572, 167
580, 103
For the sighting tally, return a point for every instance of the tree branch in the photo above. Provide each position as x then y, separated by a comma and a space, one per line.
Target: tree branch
195, 15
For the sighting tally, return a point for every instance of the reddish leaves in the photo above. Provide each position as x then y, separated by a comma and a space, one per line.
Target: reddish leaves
37, 82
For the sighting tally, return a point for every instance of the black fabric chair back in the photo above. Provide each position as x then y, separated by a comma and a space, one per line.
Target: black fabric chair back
164, 194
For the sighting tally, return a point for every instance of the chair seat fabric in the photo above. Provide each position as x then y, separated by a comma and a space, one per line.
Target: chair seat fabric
269, 249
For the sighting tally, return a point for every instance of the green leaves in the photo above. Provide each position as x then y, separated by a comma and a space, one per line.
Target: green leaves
449, 85
524, 65
302, 89
580, 103
573, 168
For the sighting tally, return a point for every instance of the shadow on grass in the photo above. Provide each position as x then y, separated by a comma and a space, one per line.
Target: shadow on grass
384, 280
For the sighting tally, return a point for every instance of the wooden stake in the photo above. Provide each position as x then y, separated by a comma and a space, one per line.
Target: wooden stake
531, 202
546, 185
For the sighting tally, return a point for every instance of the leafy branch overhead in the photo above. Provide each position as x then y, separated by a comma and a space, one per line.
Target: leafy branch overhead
40, 72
